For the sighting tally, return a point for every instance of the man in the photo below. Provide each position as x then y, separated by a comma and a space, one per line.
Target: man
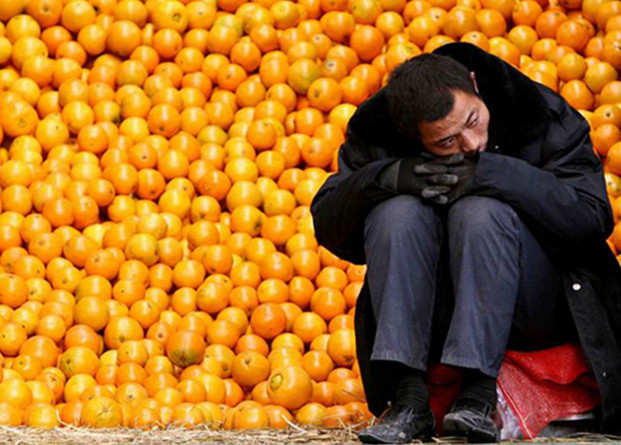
474, 197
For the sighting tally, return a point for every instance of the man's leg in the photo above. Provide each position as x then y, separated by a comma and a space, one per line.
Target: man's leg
541, 319
506, 287
485, 245
403, 240
402, 243
497, 268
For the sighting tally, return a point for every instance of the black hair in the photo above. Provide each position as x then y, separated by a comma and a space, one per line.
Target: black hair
421, 90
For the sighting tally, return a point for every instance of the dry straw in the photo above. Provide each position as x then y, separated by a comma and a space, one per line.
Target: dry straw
182, 436
70, 435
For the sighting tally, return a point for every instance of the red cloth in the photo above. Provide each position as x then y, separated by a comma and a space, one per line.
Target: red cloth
547, 385
444, 383
539, 386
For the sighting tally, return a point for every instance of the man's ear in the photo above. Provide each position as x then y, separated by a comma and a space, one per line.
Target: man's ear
474, 81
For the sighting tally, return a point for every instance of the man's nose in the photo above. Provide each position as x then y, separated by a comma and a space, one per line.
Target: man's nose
469, 142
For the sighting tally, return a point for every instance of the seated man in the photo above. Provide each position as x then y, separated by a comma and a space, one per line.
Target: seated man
475, 198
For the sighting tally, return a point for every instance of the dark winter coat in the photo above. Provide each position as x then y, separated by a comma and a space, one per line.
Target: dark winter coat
540, 160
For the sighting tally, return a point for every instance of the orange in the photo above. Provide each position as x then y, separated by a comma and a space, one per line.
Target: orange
607, 113
318, 365
29, 367
278, 416
348, 390
276, 265
123, 38
324, 94
311, 414
261, 134
548, 23
250, 368
120, 329
130, 373
71, 412
78, 360
328, 303
252, 416
574, 34
367, 41
458, 22
340, 374
611, 93
351, 293
42, 348
23, 119
237, 316
341, 347
359, 411
572, 66
268, 320
290, 387
577, 95
185, 348
604, 137
12, 337
10, 415
223, 332
16, 393
13, 290
526, 12
600, 74
102, 412
252, 342
187, 415
308, 326
132, 351
300, 291
77, 15
301, 74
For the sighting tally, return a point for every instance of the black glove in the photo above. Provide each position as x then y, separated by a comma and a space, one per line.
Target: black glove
463, 173
426, 175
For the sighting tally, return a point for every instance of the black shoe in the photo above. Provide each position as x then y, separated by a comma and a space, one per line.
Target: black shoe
471, 419
401, 424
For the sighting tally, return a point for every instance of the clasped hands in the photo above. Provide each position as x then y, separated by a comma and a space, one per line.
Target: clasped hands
441, 180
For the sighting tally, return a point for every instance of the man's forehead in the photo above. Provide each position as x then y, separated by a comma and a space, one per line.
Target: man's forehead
462, 109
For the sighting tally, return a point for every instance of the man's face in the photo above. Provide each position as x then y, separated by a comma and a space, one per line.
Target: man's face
463, 130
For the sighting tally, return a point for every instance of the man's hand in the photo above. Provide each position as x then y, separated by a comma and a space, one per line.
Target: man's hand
461, 170
426, 176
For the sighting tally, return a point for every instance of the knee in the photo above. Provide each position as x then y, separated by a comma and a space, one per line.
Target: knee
479, 216
396, 217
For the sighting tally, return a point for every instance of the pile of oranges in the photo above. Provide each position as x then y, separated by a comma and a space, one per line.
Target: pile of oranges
158, 159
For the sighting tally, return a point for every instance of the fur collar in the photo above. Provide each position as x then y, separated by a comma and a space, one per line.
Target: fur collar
518, 112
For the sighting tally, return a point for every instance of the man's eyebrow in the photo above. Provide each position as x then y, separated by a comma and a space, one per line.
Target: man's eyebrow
440, 141
472, 112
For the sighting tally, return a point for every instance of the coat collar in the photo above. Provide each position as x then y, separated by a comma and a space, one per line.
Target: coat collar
518, 112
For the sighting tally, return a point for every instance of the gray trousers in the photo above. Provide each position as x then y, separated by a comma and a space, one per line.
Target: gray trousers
458, 285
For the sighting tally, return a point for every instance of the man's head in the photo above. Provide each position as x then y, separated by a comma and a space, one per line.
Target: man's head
435, 99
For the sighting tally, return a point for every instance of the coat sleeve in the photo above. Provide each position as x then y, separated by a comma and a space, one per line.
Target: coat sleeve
342, 204
565, 198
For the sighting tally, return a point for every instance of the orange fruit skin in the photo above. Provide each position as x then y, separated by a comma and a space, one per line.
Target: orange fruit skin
102, 412
290, 386
185, 348
13, 290
250, 368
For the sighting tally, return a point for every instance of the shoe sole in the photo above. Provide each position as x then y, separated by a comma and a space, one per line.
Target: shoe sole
452, 427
